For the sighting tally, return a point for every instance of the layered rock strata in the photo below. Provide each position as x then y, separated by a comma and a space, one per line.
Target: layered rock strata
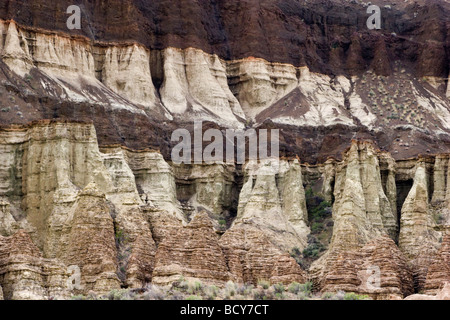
173, 85
362, 215
272, 199
100, 220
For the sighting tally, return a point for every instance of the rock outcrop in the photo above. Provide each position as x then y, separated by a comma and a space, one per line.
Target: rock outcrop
272, 200
91, 246
211, 187
418, 239
443, 294
76, 218
134, 91
361, 211
252, 257
26, 275
439, 269
362, 215
81, 207
192, 251
379, 269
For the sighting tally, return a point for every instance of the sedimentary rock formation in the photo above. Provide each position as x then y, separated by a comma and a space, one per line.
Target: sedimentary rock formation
252, 257
91, 245
135, 88
65, 179
138, 70
439, 269
25, 274
362, 215
361, 211
443, 294
211, 187
379, 269
273, 199
192, 251
417, 239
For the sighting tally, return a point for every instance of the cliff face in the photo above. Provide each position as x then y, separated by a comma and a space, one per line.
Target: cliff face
119, 222
294, 32
138, 83
132, 219
91, 201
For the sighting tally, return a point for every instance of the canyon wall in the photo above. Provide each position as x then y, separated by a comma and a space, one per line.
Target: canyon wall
128, 89
90, 200
119, 217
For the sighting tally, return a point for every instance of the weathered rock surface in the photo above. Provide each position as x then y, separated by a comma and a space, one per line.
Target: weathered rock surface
91, 245
114, 213
81, 206
211, 187
192, 251
439, 269
26, 275
134, 91
418, 239
379, 269
252, 256
443, 294
272, 199
363, 219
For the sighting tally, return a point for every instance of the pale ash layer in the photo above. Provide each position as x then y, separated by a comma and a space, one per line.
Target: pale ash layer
190, 84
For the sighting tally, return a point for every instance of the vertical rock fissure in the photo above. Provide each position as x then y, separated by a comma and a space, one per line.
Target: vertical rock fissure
403, 188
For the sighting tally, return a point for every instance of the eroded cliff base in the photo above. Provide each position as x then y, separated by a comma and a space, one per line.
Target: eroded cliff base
79, 219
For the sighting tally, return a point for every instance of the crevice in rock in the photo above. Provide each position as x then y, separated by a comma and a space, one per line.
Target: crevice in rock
157, 68
123, 253
403, 187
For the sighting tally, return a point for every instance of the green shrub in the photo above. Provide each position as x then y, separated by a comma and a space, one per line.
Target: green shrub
259, 294
230, 289
194, 297
313, 250
195, 287
279, 288
294, 287
327, 296
211, 292
264, 284
245, 290
279, 296
354, 296
316, 226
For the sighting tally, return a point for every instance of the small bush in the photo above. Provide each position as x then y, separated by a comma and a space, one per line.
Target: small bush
279, 288
306, 288
120, 294
279, 296
194, 297
259, 294
327, 296
354, 296
244, 290
294, 287
264, 284
153, 293
195, 287
211, 292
